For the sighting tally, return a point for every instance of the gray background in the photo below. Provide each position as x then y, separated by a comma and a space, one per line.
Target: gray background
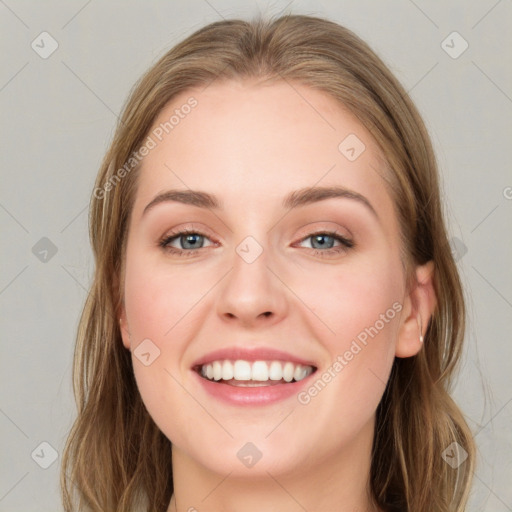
58, 117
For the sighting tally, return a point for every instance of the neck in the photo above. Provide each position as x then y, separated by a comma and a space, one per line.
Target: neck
338, 483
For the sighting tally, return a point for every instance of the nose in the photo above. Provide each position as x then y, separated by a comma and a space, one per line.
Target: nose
252, 293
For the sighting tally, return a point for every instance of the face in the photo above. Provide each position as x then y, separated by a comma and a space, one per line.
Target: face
269, 283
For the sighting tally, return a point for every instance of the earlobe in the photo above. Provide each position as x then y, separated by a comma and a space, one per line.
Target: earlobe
421, 328
419, 306
123, 327
123, 323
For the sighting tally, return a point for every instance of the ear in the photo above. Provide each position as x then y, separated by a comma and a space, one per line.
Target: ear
123, 325
121, 313
419, 305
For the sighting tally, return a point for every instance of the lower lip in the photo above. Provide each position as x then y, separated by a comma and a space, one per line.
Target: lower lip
260, 395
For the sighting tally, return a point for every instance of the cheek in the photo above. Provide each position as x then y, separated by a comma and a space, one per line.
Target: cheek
158, 299
360, 308
159, 308
361, 305
352, 298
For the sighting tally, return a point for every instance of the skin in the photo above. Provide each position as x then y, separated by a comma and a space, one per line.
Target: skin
250, 145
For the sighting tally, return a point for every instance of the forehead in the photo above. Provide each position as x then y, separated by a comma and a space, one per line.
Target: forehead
251, 144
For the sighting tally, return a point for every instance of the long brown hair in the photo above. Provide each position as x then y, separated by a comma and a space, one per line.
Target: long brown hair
116, 458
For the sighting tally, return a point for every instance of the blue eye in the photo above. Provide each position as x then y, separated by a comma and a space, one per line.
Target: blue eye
186, 238
192, 242
326, 240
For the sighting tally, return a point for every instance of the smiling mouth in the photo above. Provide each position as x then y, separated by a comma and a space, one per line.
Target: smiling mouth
243, 373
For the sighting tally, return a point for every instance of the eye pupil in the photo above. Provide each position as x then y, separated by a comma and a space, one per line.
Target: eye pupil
191, 239
321, 239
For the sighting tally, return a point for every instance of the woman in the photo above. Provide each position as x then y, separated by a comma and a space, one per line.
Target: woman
276, 314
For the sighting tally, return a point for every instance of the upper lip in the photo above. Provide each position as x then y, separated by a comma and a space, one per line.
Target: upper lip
251, 354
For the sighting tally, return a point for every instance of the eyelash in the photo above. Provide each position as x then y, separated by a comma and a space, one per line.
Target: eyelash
346, 244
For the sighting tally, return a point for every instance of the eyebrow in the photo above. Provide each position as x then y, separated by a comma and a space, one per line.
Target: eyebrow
295, 199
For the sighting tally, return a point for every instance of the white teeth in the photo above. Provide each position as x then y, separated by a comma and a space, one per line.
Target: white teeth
288, 372
260, 371
275, 371
217, 370
242, 370
227, 370
300, 372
